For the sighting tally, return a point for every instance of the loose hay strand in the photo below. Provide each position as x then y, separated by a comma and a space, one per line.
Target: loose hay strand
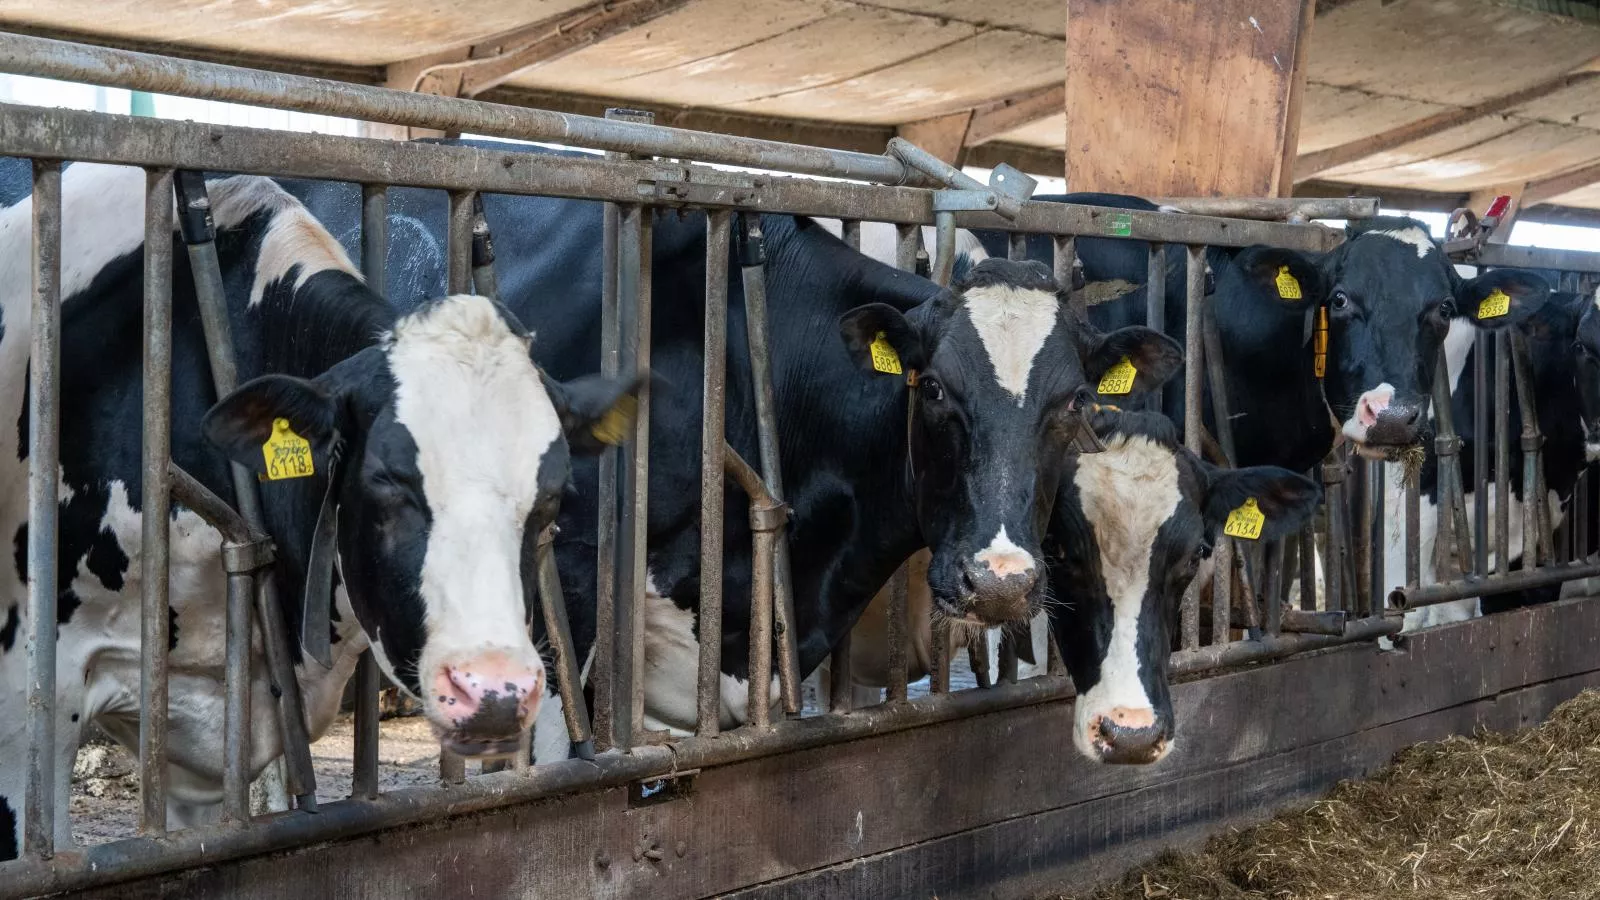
1500, 815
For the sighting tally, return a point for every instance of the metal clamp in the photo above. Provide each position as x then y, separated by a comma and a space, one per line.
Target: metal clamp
956, 200
1333, 473
1532, 442
239, 558
1447, 445
698, 186
1010, 188
768, 517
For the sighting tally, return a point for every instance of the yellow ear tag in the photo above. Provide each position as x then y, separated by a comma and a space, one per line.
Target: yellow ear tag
1495, 305
612, 428
288, 454
1118, 379
1288, 286
1246, 521
884, 359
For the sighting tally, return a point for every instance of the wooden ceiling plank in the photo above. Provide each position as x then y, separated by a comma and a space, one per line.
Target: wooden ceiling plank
471, 69
943, 136
1312, 164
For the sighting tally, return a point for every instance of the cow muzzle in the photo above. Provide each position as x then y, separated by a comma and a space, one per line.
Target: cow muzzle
1125, 735
481, 705
999, 592
1382, 422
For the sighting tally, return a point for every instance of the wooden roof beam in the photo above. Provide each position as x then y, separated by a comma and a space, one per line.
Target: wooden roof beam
470, 69
1547, 189
1310, 165
949, 136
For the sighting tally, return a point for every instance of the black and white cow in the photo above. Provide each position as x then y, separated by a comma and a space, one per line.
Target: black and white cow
454, 457
1002, 369
1132, 527
1563, 336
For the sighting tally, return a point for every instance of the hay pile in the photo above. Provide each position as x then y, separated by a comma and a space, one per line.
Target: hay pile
1500, 815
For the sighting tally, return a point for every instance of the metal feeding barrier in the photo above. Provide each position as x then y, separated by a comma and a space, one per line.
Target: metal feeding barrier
645, 170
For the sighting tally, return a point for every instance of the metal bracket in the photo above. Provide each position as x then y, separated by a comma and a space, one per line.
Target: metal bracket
1447, 445
249, 556
1007, 180
699, 186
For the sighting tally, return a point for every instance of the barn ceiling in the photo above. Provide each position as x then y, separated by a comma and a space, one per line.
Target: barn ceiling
1449, 96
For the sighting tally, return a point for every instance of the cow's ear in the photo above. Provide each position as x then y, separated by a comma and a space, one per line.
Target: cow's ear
880, 339
277, 426
1501, 297
1153, 356
597, 411
1264, 501
1288, 276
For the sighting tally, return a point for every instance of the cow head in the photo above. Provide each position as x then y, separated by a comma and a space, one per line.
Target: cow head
1003, 374
1392, 296
1564, 352
1131, 528
455, 453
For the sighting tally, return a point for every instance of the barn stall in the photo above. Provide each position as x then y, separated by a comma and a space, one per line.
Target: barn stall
875, 800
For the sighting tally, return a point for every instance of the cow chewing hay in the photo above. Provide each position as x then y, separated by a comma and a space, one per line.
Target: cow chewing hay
1503, 815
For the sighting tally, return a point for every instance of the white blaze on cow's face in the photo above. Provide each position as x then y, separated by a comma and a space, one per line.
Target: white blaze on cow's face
468, 394
1012, 324
1127, 494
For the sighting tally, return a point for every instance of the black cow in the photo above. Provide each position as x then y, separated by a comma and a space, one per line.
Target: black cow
454, 457
1002, 373
1132, 526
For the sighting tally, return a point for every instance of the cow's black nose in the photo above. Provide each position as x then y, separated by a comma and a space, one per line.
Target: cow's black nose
1396, 424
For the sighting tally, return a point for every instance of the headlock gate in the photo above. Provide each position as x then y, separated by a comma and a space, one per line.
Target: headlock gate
578, 819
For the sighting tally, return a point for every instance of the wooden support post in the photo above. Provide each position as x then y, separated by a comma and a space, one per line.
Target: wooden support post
1180, 97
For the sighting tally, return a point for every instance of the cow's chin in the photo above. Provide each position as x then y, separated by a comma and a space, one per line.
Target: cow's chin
474, 746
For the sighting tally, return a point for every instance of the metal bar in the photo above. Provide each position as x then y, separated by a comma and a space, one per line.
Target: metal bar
1374, 535
1413, 489
1507, 256
840, 687
21, 54
944, 262
1480, 455
364, 781
98, 137
633, 279
1008, 658
1155, 305
759, 705
920, 160
1222, 591
1580, 517
1502, 452
1409, 598
1333, 567
607, 560
1360, 544
939, 651
1275, 208
850, 230
1308, 567
569, 675
1063, 261
236, 709
374, 258
458, 254
1453, 514
1217, 373
1194, 350
1301, 621
1186, 662
213, 509
458, 280
1017, 246
908, 239
155, 539
713, 397
753, 270
44, 462
1533, 547
1274, 593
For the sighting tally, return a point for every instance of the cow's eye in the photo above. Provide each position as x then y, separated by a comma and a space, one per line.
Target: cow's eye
932, 390
1339, 300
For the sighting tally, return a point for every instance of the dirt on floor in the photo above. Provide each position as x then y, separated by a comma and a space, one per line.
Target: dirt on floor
1500, 815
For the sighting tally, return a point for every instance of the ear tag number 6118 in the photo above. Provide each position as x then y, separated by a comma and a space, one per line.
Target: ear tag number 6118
288, 455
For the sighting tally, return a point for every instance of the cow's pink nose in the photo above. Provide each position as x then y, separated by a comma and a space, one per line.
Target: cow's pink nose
1371, 404
490, 687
